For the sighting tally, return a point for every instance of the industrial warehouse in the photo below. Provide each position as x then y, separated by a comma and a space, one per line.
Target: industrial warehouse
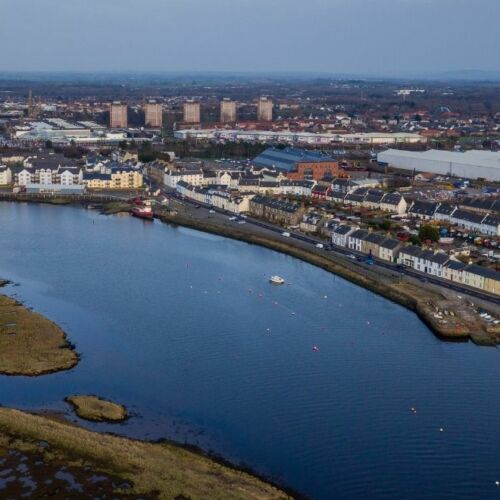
474, 164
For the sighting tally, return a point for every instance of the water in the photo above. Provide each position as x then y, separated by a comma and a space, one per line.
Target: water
174, 324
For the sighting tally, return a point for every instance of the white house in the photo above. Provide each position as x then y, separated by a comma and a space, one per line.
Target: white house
24, 177
355, 239
193, 177
340, 234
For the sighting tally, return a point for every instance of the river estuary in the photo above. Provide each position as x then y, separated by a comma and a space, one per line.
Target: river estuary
185, 330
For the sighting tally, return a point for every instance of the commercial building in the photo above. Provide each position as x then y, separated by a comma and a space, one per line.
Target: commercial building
118, 115
265, 110
192, 112
474, 164
299, 163
287, 137
227, 111
153, 115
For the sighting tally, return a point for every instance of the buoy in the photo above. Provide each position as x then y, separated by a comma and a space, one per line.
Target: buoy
325, 296
441, 429
497, 483
315, 348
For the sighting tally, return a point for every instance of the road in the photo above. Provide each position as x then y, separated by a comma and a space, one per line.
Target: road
377, 263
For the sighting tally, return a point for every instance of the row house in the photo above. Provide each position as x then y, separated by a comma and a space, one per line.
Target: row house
278, 211
371, 244
192, 177
310, 223
341, 234
481, 277
453, 271
481, 205
297, 188
423, 209
389, 250
355, 239
321, 192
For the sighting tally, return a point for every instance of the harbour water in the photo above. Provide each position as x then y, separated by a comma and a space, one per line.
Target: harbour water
185, 330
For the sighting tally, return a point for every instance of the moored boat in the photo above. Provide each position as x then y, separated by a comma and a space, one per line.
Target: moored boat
276, 280
143, 212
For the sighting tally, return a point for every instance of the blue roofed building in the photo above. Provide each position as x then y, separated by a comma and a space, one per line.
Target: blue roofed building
298, 164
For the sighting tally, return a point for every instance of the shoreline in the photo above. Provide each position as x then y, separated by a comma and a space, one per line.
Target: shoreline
413, 298
151, 467
398, 296
48, 353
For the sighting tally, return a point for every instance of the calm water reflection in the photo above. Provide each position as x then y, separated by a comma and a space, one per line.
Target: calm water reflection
184, 329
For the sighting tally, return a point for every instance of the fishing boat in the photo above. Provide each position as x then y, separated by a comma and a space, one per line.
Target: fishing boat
276, 280
143, 212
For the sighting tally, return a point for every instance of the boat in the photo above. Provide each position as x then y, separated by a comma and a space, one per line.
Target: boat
143, 212
276, 280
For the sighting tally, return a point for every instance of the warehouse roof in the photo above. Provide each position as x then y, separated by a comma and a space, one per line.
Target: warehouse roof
287, 159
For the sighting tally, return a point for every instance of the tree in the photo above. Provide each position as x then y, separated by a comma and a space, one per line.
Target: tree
414, 239
428, 232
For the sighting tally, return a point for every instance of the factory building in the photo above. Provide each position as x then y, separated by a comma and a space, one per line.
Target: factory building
153, 115
227, 111
265, 110
475, 164
298, 164
118, 115
191, 112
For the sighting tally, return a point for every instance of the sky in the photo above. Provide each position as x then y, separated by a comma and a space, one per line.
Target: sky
379, 37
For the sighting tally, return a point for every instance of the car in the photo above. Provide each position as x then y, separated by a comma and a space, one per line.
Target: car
319, 245
232, 218
197, 206
211, 211
352, 256
286, 234
242, 222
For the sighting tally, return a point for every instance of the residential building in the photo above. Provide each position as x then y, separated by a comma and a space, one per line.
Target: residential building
453, 271
192, 112
279, 211
118, 115
265, 110
5, 175
371, 244
227, 111
341, 234
356, 238
193, 177
389, 249
153, 115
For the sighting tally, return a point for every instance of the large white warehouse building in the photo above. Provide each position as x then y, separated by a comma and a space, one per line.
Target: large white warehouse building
475, 164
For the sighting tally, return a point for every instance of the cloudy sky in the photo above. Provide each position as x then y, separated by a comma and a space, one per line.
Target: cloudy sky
338, 36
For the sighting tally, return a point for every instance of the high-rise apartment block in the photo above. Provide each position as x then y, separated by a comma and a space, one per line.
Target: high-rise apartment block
191, 112
227, 111
118, 115
153, 115
265, 110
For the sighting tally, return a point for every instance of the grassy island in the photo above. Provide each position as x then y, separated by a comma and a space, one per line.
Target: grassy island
30, 344
151, 470
96, 409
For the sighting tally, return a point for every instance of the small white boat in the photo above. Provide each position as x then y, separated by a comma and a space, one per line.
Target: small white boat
276, 280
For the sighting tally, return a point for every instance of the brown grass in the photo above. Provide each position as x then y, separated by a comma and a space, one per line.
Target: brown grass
164, 468
96, 409
31, 344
